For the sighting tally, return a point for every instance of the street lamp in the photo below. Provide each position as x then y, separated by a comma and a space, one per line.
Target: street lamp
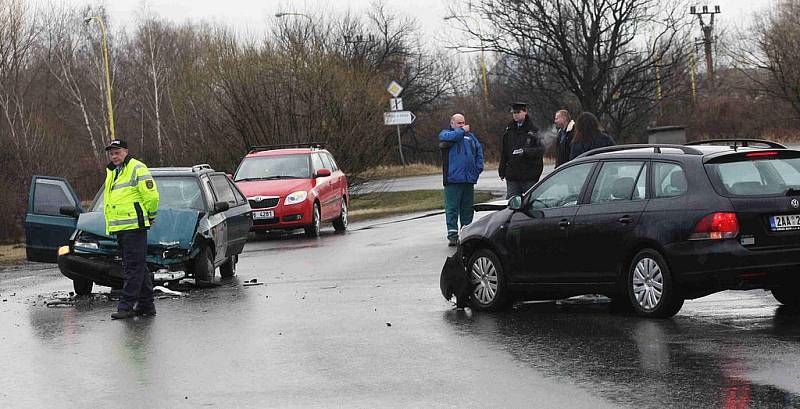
483, 59
283, 14
104, 45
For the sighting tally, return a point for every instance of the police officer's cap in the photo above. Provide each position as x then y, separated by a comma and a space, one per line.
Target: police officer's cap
117, 144
519, 106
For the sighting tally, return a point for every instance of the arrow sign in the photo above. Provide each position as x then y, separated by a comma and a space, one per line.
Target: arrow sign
398, 118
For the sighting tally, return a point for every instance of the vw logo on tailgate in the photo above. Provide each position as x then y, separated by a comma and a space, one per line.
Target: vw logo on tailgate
795, 203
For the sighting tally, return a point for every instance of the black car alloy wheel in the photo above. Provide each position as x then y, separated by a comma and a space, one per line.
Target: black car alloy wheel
488, 286
650, 286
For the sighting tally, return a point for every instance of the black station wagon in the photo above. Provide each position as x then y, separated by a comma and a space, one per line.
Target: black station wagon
647, 225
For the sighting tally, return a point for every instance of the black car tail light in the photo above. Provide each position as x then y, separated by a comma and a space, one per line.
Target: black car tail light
715, 226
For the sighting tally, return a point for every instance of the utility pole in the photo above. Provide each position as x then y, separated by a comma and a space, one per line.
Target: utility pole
707, 39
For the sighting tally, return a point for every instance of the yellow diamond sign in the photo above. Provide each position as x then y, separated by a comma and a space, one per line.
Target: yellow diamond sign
394, 88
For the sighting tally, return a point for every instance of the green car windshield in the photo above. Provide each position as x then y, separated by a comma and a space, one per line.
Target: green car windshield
174, 193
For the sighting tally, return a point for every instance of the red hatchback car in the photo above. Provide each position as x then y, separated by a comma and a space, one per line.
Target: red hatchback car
293, 186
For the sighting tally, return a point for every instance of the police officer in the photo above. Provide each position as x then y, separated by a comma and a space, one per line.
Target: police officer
521, 152
131, 205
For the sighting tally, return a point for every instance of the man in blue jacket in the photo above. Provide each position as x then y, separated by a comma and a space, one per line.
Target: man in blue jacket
463, 157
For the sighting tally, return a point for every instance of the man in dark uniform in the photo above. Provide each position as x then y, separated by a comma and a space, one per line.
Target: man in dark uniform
521, 152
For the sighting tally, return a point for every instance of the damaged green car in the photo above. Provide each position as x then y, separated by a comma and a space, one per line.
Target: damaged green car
203, 223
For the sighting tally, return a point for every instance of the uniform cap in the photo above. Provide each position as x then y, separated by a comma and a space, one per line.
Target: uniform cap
519, 106
117, 144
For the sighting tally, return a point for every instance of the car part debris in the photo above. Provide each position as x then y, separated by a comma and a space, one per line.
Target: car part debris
168, 291
60, 303
165, 275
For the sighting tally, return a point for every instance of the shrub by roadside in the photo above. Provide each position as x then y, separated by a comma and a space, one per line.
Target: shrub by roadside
11, 253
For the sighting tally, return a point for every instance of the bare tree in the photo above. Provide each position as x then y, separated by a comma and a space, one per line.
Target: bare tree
68, 65
769, 54
151, 52
592, 52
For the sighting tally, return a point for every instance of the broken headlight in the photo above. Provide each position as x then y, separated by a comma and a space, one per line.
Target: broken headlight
87, 241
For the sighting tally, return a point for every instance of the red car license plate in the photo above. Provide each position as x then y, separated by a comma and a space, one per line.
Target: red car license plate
263, 214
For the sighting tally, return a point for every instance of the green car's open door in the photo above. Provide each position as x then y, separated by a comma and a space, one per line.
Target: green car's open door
46, 228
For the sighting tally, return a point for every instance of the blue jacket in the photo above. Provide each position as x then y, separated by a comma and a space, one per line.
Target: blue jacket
465, 156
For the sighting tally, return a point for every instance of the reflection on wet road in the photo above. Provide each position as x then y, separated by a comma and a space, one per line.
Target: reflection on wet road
357, 320
690, 361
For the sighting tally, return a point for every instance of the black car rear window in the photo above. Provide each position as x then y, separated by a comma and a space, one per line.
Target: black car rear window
756, 176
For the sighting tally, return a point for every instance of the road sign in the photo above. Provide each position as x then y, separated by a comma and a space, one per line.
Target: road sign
398, 118
394, 88
396, 104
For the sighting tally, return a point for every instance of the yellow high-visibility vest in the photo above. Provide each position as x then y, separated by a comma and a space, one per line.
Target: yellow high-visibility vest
131, 198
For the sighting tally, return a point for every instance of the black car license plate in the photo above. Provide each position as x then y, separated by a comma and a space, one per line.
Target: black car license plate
785, 222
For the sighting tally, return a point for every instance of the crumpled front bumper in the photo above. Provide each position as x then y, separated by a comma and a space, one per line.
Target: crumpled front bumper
100, 270
454, 281
107, 271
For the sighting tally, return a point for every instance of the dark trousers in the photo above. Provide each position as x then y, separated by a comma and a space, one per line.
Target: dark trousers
458, 201
137, 291
517, 187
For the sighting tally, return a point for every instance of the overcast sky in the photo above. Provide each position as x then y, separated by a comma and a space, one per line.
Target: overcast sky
253, 16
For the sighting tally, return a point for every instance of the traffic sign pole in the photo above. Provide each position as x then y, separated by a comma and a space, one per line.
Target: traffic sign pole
400, 146
397, 116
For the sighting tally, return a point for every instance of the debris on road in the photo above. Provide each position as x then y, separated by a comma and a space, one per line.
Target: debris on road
168, 291
248, 283
388, 324
60, 303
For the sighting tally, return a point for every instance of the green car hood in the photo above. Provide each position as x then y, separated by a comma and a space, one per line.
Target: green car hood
174, 228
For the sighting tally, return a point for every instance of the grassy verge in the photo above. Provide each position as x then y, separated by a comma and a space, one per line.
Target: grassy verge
414, 169
382, 204
11, 253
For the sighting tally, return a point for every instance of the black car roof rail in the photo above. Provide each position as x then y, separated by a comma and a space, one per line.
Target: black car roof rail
202, 166
738, 142
656, 149
312, 145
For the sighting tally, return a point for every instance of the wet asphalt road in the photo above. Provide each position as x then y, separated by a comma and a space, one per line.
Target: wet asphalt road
357, 321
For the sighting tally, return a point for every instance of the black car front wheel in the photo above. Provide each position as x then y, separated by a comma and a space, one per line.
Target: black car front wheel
786, 296
82, 287
650, 287
489, 290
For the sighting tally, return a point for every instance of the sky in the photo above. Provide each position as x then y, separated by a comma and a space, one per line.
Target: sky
254, 16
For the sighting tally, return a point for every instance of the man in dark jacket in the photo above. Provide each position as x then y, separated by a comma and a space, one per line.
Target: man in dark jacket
464, 157
521, 152
564, 125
